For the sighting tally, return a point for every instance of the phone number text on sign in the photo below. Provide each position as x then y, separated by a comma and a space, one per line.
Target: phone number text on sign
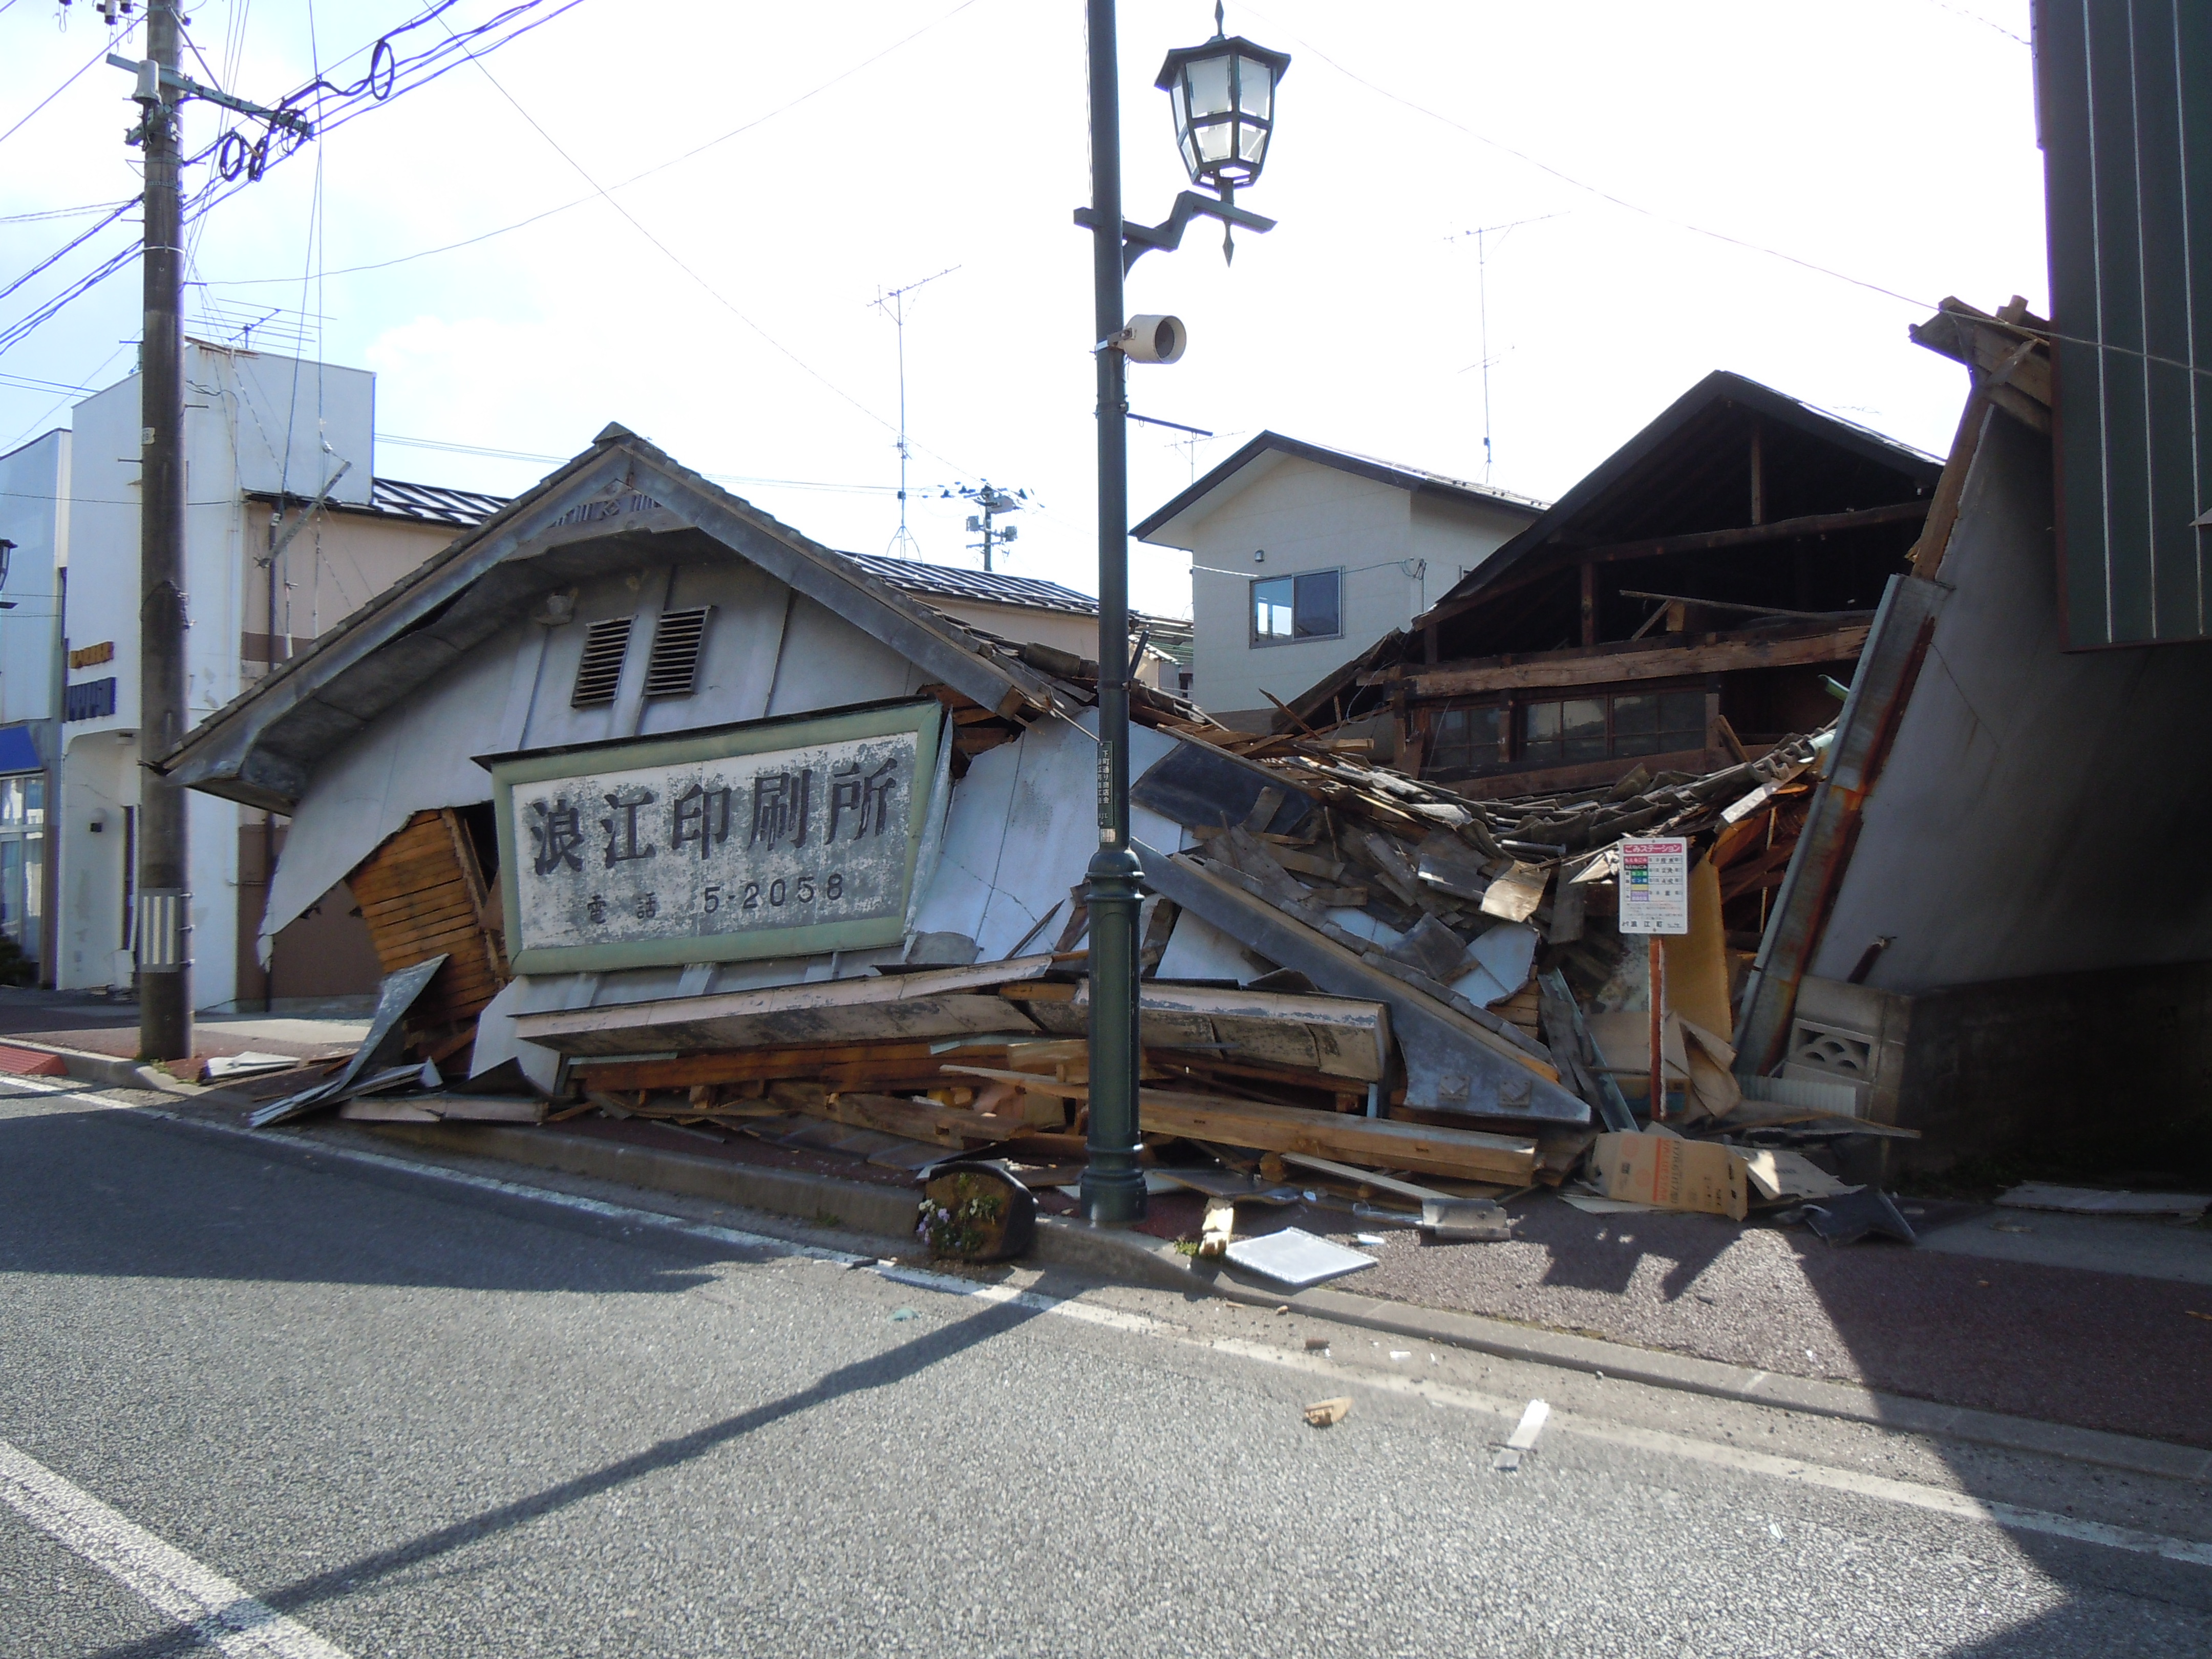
785, 839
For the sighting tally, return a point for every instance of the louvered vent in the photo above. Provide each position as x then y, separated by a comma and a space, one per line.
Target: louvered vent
605, 643
673, 668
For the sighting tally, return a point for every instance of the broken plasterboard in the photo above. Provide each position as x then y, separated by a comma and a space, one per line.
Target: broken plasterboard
1497, 963
1296, 1257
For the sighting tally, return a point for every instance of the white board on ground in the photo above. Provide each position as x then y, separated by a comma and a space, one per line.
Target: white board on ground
1296, 1257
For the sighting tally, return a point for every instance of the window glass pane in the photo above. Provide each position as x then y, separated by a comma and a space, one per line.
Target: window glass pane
11, 801
1448, 740
1539, 732
1271, 609
1636, 725
1681, 721
1486, 736
1582, 725
1317, 615
34, 800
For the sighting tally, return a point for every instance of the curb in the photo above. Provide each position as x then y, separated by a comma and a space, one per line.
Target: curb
1113, 1254
887, 1211
107, 1070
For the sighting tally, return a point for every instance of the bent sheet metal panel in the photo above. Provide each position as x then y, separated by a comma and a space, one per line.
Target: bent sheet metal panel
1448, 1067
947, 1002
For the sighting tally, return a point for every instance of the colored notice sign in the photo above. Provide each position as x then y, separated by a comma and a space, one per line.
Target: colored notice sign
1654, 886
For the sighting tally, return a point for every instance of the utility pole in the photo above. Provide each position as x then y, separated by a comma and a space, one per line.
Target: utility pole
995, 503
163, 891
164, 929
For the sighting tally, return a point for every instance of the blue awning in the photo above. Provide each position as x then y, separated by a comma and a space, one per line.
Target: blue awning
17, 752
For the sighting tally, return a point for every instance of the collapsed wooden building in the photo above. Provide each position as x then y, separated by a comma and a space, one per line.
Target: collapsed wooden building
1684, 606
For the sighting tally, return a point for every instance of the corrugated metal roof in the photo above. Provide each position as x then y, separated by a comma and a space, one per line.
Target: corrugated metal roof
983, 588
432, 502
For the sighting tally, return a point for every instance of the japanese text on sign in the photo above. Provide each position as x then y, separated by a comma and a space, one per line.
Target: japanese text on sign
791, 838
1654, 886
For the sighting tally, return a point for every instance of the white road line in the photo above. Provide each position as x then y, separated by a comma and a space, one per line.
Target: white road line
218, 1612
1912, 1494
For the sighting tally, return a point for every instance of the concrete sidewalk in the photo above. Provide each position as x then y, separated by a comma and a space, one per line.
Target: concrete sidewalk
109, 1026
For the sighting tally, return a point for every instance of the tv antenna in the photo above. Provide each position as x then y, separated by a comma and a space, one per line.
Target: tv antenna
996, 503
1482, 309
1197, 433
893, 306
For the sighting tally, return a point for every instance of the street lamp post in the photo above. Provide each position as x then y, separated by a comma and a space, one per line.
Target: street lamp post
1223, 95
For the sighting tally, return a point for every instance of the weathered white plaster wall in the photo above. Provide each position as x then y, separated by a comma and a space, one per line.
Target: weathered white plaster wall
2036, 811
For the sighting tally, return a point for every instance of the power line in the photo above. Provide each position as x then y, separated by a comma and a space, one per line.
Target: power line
100, 57
1602, 194
635, 178
705, 287
377, 87
447, 447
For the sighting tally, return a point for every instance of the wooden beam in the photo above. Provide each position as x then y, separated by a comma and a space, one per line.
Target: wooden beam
1782, 530
1577, 668
1589, 572
1382, 1142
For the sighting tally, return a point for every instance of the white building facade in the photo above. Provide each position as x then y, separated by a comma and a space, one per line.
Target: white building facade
288, 531
1304, 557
34, 522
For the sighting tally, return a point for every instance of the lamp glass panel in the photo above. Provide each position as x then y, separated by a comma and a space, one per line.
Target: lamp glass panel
1208, 78
1255, 92
1251, 144
1214, 141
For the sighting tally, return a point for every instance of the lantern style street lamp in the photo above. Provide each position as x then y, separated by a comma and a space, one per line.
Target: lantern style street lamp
1224, 98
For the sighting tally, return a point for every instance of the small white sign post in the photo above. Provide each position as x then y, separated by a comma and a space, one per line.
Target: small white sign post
1655, 900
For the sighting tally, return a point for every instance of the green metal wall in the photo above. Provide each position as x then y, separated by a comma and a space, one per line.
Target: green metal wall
2124, 107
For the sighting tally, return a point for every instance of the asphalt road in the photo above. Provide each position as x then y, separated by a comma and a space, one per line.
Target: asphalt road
378, 1410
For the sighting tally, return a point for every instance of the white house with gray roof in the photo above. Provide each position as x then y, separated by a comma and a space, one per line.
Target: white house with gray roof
1303, 556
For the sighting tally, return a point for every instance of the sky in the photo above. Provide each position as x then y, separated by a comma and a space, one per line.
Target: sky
717, 195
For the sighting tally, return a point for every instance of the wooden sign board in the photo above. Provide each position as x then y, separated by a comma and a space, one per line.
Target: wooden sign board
782, 837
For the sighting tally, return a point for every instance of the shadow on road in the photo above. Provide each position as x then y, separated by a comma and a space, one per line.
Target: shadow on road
111, 1194
876, 1371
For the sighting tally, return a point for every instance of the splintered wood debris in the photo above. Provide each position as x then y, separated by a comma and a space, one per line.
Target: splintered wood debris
1433, 1001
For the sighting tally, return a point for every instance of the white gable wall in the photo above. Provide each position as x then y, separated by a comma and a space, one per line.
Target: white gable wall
767, 652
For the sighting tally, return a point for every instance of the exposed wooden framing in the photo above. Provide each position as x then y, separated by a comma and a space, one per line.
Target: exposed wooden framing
1781, 530
1705, 541
1588, 578
1720, 655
